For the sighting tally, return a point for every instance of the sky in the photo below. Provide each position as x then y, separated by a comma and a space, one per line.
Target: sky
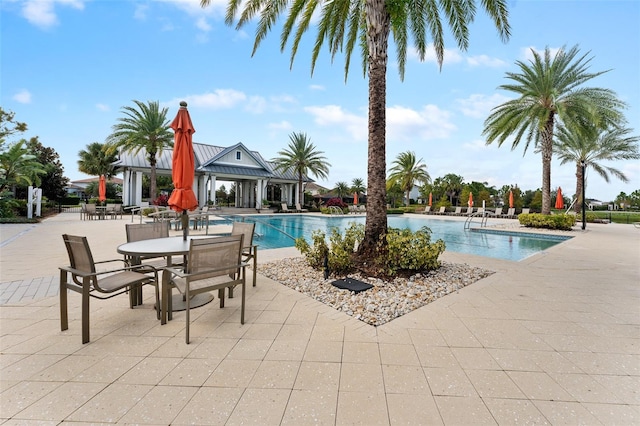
68, 67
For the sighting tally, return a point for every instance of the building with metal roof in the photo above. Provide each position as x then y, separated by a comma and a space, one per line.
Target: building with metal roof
252, 174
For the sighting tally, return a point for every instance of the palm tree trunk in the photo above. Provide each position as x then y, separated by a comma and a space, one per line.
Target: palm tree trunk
152, 179
547, 151
578, 204
378, 24
300, 192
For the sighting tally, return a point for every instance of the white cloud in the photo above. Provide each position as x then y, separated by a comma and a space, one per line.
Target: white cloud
140, 12
406, 124
477, 145
202, 24
256, 104
23, 97
335, 116
480, 106
103, 107
192, 7
218, 99
317, 87
485, 61
41, 13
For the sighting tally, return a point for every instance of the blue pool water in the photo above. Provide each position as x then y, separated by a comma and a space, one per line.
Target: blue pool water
277, 231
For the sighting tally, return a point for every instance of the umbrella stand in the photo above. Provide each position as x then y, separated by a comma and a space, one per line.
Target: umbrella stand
185, 225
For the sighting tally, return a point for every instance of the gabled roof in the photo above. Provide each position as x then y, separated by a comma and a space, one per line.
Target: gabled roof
207, 160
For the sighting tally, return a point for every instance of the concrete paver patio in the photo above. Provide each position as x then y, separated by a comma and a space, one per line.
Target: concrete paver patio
552, 339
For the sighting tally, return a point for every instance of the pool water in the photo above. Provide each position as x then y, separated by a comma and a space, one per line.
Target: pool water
277, 231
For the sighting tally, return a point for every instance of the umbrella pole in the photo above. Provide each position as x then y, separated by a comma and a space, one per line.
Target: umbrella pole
185, 225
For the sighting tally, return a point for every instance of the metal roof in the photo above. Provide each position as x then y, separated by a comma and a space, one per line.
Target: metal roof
205, 156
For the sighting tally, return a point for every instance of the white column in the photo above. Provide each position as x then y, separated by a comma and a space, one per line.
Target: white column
137, 197
202, 190
126, 191
259, 194
212, 190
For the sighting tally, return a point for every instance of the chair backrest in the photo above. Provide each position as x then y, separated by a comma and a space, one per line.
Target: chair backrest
526, 211
91, 208
458, 209
442, 209
498, 211
427, 209
146, 231
511, 211
284, 207
80, 256
221, 253
246, 229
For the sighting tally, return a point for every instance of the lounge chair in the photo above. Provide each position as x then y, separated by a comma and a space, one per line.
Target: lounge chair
456, 212
285, 209
511, 213
362, 208
497, 212
100, 285
300, 209
426, 210
526, 211
443, 210
213, 264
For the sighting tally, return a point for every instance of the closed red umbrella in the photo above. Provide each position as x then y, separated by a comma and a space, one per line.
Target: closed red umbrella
559, 199
470, 202
102, 189
510, 199
355, 198
430, 198
183, 167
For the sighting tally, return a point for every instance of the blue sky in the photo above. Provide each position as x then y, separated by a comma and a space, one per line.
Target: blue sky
69, 66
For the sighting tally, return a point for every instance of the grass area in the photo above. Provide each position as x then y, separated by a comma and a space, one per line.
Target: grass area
614, 216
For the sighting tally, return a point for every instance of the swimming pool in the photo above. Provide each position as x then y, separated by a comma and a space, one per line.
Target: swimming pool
277, 231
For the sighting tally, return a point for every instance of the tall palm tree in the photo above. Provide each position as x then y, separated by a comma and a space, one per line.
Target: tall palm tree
549, 89
592, 145
345, 24
95, 161
342, 190
303, 158
357, 185
143, 128
407, 171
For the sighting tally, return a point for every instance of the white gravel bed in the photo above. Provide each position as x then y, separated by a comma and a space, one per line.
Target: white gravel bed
382, 303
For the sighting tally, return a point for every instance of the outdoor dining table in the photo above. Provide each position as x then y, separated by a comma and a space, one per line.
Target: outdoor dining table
167, 247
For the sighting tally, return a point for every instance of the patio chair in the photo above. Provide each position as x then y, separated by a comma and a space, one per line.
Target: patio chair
249, 250
147, 231
457, 211
427, 210
284, 208
87, 281
362, 208
300, 209
442, 210
498, 212
213, 264
526, 211
90, 211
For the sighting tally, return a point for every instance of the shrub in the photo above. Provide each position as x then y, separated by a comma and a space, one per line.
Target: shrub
336, 202
555, 221
408, 252
161, 200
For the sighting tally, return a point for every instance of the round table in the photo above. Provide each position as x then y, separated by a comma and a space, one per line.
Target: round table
167, 247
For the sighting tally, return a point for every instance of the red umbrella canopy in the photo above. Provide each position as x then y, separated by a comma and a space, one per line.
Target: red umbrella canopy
183, 162
510, 199
102, 188
470, 203
430, 198
559, 199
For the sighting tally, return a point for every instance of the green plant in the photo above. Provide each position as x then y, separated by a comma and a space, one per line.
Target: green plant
410, 252
555, 221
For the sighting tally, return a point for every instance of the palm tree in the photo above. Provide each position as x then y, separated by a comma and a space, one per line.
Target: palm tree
453, 185
145, 128
302, 158
357, 185
95, 161
592, 145
19, 166
407, 172
345, 24
342, 190
549, 89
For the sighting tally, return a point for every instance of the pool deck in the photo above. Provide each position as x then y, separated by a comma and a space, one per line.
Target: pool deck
552, 339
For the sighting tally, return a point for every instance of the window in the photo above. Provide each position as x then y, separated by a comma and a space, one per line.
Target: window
238, 155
